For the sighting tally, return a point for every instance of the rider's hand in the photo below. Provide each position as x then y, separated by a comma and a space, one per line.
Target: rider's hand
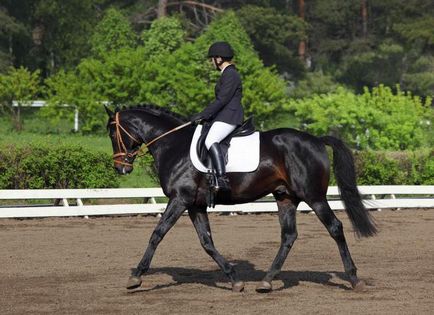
196, 119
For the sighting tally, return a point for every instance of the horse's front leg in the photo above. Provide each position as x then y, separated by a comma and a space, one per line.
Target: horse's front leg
199, 217
174, 210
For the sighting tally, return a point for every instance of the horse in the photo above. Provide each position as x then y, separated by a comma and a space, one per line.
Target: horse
294, 166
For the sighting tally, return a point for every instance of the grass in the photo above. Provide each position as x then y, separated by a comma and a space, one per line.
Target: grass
33, 134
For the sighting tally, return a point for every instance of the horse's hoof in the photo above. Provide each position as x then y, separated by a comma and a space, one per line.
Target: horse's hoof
359, 286
133, 282
264, 287
238, 286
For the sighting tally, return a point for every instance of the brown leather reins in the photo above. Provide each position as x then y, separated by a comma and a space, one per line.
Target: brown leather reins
121, 144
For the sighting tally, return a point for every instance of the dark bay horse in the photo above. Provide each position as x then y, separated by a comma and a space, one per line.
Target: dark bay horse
294, 167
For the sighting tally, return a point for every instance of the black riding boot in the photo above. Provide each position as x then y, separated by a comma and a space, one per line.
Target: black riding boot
218, 162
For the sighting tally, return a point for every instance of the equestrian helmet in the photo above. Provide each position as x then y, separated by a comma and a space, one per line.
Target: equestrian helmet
221, 49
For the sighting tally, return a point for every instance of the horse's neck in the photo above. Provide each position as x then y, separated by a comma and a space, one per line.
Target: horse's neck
150, 127
166, 149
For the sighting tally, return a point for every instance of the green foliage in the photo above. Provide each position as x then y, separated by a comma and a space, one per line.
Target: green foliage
333, 25
412, 20
69, 89
397, 34
97, 145
182, 79
395, 168
362, 68
376, 169
37, 167
314, 83
9, 27
420, 76
263, 90
19, 85
165, 35
275, 35
377, 119
113, 33
55, 32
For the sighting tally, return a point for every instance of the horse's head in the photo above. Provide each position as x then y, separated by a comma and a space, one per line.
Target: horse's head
125, 141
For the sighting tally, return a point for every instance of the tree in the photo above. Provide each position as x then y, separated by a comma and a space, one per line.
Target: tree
162, 8
165, 35
419, 77
181, 78
112, 33
361, 68
364, 14
18, 85
302, 43
333, 26
186, 81
276, 37
9, 28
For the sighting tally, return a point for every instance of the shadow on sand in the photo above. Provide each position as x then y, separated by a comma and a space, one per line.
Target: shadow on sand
247, 273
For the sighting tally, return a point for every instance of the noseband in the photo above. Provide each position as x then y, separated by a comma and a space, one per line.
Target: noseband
121, 144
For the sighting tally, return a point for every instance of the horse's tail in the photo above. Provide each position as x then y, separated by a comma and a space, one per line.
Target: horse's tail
343, 166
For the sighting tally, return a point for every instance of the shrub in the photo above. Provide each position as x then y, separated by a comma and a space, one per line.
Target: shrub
379, 119
37, 167
395, 168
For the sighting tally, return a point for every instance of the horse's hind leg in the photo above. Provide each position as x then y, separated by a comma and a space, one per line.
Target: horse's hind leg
335, 229
199, 217
287, 207
172, 213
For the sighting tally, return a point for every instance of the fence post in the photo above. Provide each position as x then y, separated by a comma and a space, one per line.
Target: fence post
76, 119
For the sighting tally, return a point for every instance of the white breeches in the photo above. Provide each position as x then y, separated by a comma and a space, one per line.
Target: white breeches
218, 131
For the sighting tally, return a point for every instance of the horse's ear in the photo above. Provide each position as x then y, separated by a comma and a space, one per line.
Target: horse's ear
109, 112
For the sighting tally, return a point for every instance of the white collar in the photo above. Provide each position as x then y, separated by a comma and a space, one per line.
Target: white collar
221, 71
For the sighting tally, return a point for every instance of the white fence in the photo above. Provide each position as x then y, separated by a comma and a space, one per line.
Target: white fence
42, 104
375, 197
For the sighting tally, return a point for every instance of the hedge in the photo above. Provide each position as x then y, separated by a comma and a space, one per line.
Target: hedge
33, 167
37, 167
395, 168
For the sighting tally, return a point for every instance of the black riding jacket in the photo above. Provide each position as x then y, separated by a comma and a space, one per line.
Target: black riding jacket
227, 104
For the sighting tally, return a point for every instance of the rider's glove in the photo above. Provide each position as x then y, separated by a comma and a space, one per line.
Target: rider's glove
196, 119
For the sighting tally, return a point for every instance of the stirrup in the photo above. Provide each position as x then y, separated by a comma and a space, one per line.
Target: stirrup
222, 184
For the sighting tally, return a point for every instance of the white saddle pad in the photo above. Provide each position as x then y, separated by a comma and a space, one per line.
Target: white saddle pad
243, 153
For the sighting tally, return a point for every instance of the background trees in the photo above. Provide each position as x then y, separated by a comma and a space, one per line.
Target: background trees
329, 55
21, 86
165, 70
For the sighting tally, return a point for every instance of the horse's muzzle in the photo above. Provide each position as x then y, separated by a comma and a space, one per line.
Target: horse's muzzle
123, 169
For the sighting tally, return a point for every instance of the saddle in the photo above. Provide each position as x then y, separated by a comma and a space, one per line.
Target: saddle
247, 128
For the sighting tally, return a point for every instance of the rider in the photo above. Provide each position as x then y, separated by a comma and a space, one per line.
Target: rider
225, 113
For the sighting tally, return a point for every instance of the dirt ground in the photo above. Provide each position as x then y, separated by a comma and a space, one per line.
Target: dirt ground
76, 265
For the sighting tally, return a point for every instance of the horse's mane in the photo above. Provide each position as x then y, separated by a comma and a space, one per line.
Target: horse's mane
158, 111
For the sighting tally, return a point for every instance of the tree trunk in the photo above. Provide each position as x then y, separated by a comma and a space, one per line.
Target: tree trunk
11, 48
162, 8
302, 44
18, 126
364, 12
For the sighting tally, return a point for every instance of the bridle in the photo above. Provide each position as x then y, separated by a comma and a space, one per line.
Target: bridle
121, 144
